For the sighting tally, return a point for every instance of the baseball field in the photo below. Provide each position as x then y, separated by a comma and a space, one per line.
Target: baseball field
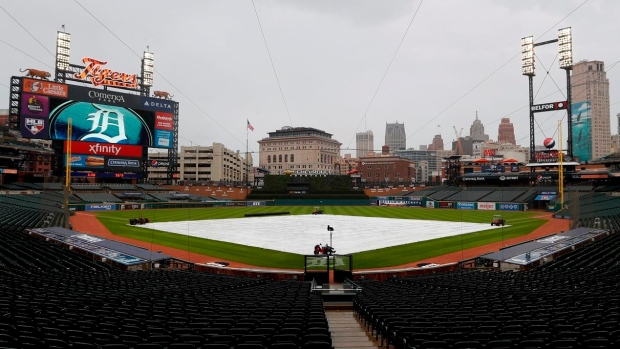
425, 224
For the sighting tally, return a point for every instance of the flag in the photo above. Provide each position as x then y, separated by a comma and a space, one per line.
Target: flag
250, 127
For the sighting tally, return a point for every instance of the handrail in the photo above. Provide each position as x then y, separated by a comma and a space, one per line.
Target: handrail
353, 285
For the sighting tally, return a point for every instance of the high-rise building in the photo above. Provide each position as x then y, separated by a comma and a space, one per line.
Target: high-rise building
437, 143
590, 110
506, 132
395, 136
364, 143
476, 131
426, 162
615, 139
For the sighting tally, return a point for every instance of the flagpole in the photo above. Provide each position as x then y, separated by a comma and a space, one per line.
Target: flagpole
247, 161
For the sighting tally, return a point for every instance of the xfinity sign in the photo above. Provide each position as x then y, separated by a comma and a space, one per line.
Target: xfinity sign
549, 106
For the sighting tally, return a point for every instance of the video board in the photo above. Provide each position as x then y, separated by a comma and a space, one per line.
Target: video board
97, 115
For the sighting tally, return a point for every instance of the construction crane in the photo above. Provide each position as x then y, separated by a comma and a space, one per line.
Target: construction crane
459, 146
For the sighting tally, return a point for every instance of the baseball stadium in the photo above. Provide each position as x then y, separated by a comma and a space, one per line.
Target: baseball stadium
96, 256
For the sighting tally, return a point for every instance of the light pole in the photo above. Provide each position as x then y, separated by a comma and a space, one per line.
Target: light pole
565, 52
330, 229
565, 40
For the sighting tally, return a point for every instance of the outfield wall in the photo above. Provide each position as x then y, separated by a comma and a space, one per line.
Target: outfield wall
318, 202
391, 201
426, 202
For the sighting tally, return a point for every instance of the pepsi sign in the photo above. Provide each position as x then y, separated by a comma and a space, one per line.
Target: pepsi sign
159, 163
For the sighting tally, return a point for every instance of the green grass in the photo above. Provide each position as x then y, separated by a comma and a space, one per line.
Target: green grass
521, 223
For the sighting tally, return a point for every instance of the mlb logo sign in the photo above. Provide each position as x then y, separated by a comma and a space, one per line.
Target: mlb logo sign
35, 125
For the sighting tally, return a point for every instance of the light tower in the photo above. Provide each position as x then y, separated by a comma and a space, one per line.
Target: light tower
527, 68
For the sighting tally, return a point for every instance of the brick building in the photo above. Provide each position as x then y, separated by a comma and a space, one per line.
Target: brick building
385, 169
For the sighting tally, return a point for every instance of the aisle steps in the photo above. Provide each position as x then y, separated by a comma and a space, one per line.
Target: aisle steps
347, 332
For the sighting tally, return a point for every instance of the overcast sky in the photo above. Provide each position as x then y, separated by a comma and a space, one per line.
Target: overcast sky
457, 58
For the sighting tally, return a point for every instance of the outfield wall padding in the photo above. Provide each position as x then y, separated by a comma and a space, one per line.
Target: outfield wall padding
317, 202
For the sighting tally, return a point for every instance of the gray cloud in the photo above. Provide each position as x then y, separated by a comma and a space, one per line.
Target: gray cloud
458, 58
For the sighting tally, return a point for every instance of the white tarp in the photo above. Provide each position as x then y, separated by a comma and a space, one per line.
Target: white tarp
299, 233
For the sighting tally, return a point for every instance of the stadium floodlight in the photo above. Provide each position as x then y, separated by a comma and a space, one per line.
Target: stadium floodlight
527, 56
565, 42
63, 50
147, 69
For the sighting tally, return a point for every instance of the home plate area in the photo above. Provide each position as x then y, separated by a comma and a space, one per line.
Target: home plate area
300, 233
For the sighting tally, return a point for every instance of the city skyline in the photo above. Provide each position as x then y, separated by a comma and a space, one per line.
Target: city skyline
325, 64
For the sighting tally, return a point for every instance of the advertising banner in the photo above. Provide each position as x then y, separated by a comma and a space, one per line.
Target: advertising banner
486, 206
489, 152
163, 121
549, 106
465, 205
34, 127
123, 165
159, 163
473, 178
509, 178
76, 208
89, 174
509, 207
387, 202
546, 156
446, 204
155, 104
430, 204
106, 149
131, 206
582, 130
256, 203
163, 139
81, 161
35, 105
98, 96
47, 88
98, 162
100, 207
414, 202
493, 168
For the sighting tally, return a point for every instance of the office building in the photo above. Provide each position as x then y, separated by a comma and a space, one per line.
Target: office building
437, 143
300, 151
506, 132
395, 136
591, 119
364, 143
476, 131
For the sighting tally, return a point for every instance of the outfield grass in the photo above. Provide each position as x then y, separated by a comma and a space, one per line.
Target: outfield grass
521, 223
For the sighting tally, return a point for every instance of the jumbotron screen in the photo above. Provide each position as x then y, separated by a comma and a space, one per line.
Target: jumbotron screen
99, 116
